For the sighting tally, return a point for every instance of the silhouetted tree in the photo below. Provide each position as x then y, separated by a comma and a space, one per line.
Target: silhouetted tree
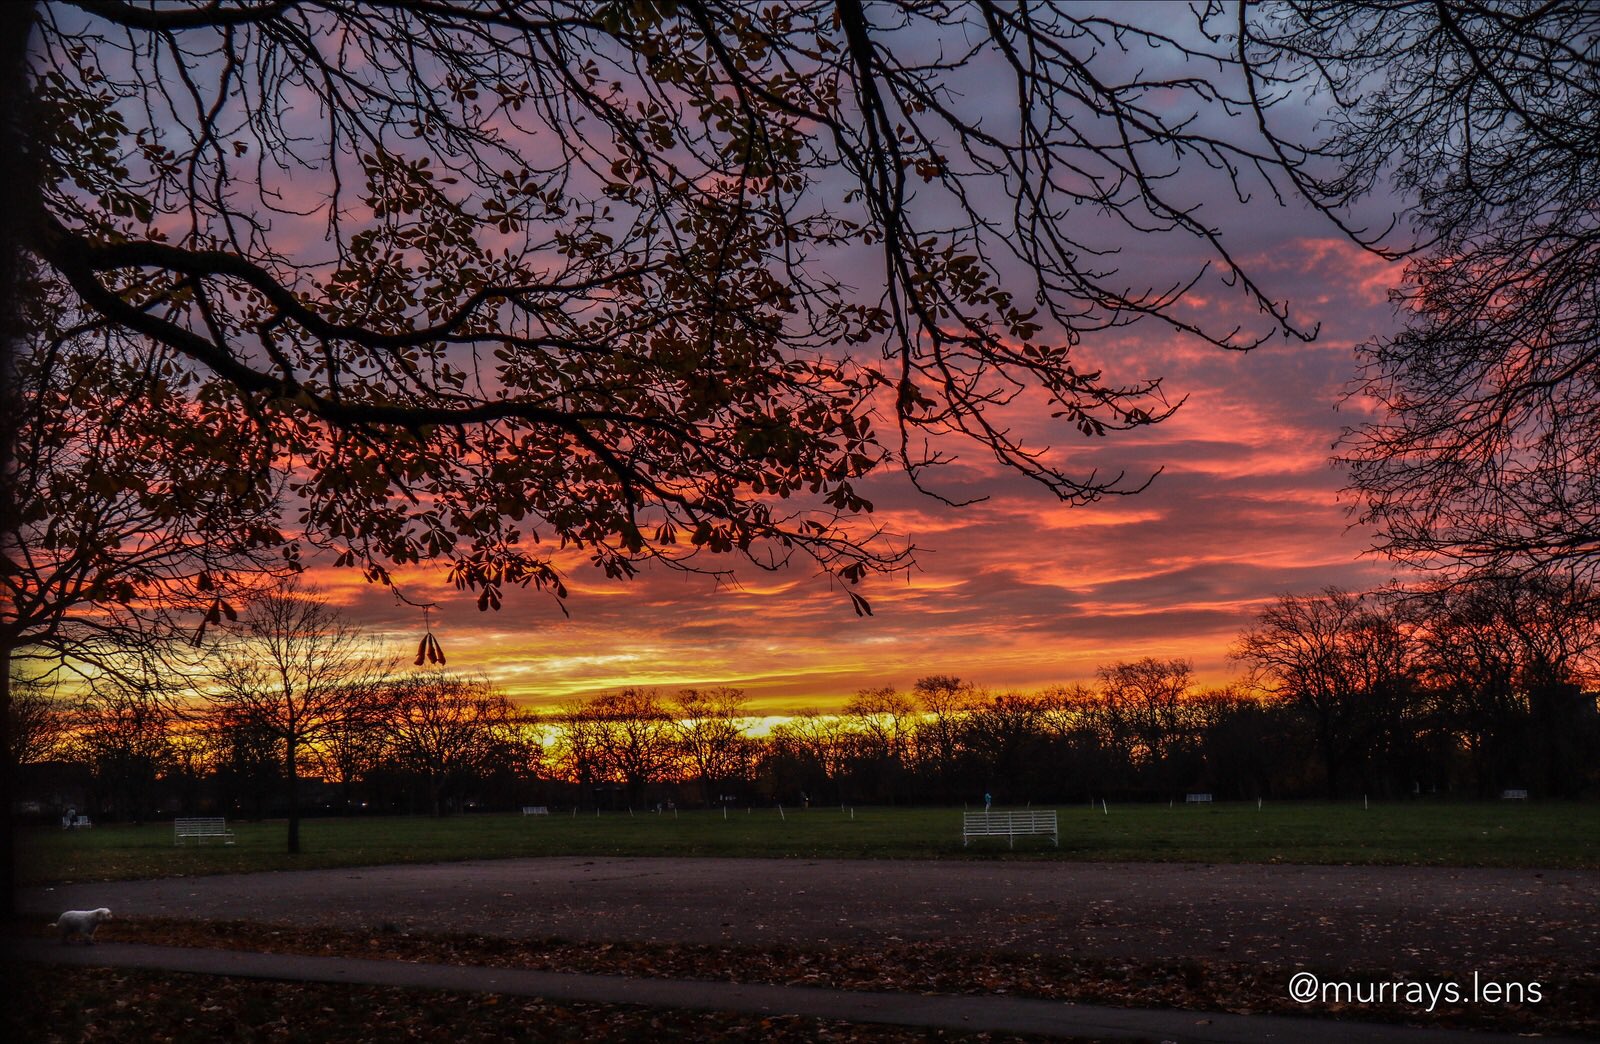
709, 734
131, 510
580, 746
812, 748
37, 723
131, 516
1509, 657
1004, 734
292, 670
450, 729
1485, 444
880, 724
359, 739
123, 733
1469, 663
572, 270
1087, 743
1338, 657
1250, 749
1147, 695
945, 701
245, 751
636, 738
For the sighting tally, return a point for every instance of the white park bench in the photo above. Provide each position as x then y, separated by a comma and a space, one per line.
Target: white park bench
1197, 797
1514, 794
1009, 824
536, 810
200, 829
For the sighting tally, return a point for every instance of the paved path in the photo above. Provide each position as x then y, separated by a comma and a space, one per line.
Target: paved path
1449, 919
995, 1014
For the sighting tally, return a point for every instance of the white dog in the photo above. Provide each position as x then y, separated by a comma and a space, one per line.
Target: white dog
81, 923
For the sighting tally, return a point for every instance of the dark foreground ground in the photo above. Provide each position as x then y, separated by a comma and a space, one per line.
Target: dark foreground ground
1199, 937
1449, 918
625, 1003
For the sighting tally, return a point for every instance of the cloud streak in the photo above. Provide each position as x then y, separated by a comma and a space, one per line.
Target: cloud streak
1015, 591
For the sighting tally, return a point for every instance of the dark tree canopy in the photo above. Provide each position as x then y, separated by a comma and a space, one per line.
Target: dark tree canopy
294, 672
1484, 452
137, 509
447, 728
1341, 659
655, 281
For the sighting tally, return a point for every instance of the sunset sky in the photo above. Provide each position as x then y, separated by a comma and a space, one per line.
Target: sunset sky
1018, 591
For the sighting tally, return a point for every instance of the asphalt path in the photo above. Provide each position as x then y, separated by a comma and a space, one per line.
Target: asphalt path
969, 1013
1372, 917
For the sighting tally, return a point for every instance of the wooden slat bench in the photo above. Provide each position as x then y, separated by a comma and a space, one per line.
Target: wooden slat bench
1009, 824
1202, 798
536, 810
201, 828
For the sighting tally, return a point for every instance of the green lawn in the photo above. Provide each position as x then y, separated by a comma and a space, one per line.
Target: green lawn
1483, 834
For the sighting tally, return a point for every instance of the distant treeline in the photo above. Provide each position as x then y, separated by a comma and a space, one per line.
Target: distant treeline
1465, 690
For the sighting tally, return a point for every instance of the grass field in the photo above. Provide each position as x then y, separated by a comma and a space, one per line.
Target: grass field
1482, 834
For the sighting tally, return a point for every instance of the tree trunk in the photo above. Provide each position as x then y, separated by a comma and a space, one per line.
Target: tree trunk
8, 790
294, 798
19, 188
1332, 771
1328, 749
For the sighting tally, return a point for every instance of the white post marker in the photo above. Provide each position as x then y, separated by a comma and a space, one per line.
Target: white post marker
781, 815
1103, 807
